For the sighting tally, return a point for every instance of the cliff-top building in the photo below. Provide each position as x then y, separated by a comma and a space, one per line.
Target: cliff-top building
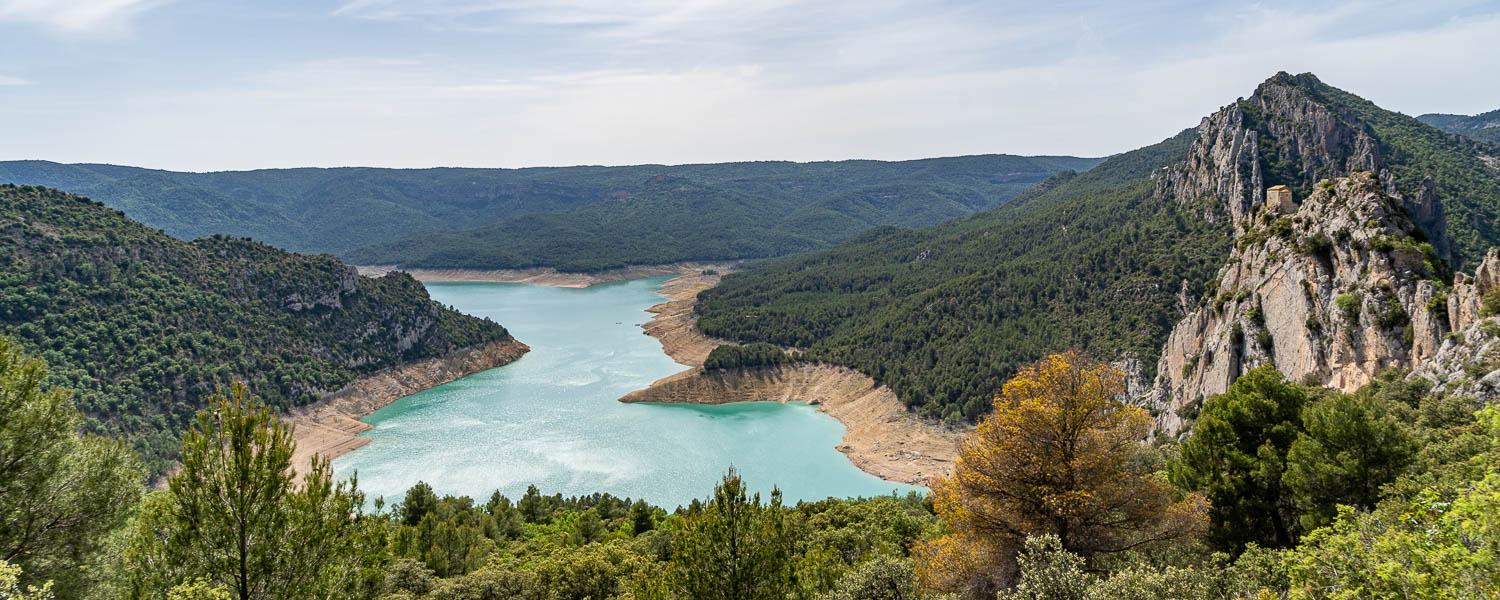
1279, 199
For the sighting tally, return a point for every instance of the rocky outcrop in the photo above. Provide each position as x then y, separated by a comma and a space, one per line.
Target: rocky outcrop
1231, 162
330, 427
1468, 361
1333, 293
1466, 300
881, 437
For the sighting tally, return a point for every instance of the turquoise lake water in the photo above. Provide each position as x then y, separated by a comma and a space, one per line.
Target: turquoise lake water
552, 419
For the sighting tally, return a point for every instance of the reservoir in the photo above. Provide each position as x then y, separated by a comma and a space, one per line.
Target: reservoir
551, 418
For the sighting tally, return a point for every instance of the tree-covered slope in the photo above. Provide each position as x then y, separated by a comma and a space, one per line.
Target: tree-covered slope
338, 210
1105, 261
1484, 127
944, 314
145, 327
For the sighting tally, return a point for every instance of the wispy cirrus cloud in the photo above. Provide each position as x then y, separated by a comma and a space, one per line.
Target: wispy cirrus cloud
77, 16
8, 80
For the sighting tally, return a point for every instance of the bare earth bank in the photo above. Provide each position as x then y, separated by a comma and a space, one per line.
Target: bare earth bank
881, 437
551, 277
330, 427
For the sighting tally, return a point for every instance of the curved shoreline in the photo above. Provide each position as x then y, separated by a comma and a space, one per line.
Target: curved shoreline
552, 277
881, 436
330, 427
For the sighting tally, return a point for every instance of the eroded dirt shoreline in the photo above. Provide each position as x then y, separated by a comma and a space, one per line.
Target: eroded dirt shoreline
881, 437
330, 427
551, 277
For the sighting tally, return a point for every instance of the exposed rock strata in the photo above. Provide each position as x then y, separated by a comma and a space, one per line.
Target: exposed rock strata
881, 437
674, 322
330, 427
552, 277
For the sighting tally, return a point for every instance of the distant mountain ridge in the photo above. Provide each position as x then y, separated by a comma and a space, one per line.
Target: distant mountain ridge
145, 327
1483, 126
498, 218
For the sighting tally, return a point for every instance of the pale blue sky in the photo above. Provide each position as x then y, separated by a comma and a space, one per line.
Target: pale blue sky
221, 84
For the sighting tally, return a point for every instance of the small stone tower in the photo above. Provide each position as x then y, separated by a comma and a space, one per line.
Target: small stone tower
1279, 199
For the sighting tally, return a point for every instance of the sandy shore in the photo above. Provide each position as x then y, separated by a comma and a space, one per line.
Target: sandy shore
330, 427
551, 277
673, 323
881, 437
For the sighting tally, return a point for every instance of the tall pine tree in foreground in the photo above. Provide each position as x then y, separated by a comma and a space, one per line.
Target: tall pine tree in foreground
233, 518
61, 493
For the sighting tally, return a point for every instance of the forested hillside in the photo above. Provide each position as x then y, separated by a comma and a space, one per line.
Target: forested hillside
1106, 261
339, 210
1484, 126
145, 327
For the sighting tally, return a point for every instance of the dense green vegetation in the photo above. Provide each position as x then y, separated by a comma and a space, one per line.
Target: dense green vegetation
735, 356
61, 494
944, 315
233, 522
145, 327
499, 218
1093, 261
696, 216
1484, 127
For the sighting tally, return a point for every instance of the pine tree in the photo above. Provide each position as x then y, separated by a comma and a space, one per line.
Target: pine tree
61, 493
735, 548
233, 517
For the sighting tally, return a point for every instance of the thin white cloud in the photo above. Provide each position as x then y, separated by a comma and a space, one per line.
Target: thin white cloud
647, 82
77, 16
8, 80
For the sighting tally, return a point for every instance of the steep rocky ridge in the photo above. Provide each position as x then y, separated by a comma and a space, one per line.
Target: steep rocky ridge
1278, 136
1333, 292
1348, 280
1468, 362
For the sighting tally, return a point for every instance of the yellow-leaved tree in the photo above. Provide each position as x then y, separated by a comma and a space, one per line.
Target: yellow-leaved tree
1062, 454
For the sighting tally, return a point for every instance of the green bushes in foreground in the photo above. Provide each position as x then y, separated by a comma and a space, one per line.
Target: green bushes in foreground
1413, 480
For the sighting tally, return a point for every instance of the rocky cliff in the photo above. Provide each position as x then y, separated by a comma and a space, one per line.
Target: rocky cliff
1281, 135
1345, 281
1334, 291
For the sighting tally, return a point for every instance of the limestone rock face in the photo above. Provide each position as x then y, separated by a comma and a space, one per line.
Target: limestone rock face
1466, 300
1333, 293
1468, 363
1221, 165
1280, 122
329, 295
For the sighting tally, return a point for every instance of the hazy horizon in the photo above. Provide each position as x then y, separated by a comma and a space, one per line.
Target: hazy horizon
237, 85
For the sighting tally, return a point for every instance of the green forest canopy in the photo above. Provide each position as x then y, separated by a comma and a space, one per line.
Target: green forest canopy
339, 210
145, 326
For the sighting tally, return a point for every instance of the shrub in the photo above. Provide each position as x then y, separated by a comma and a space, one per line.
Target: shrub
1348, 305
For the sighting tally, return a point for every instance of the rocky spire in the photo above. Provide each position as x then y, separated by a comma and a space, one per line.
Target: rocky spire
1280, 135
